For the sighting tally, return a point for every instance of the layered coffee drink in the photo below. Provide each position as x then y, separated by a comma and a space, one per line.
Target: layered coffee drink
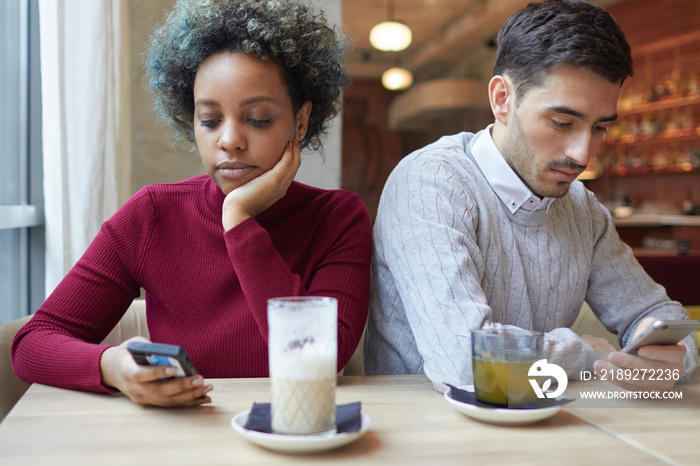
303, 391
303, 352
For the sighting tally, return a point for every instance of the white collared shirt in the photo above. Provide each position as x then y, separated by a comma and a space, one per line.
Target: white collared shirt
505, 183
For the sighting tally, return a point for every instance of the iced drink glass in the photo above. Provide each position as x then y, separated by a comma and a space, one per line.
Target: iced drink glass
303, 347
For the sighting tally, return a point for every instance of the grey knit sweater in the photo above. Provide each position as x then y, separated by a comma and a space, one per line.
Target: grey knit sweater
449, 257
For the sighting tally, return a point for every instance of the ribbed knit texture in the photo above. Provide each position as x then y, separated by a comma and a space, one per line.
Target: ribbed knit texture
206, 289
449, 257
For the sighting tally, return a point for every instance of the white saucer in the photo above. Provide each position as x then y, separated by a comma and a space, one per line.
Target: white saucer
297, 443
502, 416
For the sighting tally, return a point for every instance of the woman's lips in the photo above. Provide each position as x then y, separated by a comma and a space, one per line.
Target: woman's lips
235, 169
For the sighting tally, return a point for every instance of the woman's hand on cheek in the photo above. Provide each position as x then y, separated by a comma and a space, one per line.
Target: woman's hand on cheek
260, 193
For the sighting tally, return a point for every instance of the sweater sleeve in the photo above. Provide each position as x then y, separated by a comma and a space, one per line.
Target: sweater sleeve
425, 243
342, 271
60, 346
621, 293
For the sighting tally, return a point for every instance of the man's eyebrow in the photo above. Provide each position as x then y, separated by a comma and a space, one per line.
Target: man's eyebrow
576, 114
612, 117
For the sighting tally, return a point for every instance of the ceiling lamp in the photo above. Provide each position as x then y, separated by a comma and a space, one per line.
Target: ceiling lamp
397, 79
390, 36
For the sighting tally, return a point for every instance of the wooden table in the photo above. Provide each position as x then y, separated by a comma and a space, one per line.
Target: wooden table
668, 430
411, 424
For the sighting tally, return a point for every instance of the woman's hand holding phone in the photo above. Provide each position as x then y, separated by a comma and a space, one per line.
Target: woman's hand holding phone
260, 193
150, 385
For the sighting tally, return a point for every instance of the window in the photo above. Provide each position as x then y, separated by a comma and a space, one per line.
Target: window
21, 193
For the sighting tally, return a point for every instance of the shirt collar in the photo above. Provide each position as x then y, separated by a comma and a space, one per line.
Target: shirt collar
503, 180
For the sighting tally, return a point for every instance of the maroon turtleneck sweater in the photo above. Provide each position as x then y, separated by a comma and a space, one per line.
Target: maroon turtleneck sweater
206, 289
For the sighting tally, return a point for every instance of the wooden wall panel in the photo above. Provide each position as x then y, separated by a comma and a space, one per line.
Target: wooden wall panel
645, 21
370, 149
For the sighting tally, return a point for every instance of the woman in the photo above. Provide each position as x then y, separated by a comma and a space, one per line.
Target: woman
250, 83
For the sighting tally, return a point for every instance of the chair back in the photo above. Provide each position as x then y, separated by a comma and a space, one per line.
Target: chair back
588, 323
132, 324
11, 388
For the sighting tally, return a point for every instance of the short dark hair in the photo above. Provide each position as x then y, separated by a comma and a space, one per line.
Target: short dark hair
561, 32
291, 33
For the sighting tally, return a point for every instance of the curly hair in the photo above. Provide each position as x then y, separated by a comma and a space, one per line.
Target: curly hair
542, 35
291, 33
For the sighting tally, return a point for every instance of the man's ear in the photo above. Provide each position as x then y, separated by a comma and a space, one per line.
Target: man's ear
501, 97
303, 119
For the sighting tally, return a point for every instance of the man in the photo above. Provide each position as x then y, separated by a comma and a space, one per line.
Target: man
492, 229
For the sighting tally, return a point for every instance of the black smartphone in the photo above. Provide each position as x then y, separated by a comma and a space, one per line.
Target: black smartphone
153, 354
663, 332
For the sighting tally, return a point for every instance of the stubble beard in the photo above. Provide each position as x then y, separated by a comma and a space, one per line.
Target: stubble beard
521, 158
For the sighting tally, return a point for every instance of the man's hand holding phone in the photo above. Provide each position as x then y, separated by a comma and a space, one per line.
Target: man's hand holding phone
150, 384
653, 359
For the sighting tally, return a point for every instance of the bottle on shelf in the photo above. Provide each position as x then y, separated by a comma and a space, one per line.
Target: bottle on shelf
694, 84
685, 122
683, 159
670, 126
670, 87
695, 157
684, 88
648, 127
687, 206
658, 92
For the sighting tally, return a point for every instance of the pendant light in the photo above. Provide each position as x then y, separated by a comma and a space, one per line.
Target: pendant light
391, 35
397, 79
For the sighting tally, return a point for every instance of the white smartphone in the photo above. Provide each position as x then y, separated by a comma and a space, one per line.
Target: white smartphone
663, 332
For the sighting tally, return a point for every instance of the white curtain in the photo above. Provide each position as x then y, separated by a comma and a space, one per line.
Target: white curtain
85, 123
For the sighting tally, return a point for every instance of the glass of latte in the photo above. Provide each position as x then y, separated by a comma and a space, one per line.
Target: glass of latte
303, 346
